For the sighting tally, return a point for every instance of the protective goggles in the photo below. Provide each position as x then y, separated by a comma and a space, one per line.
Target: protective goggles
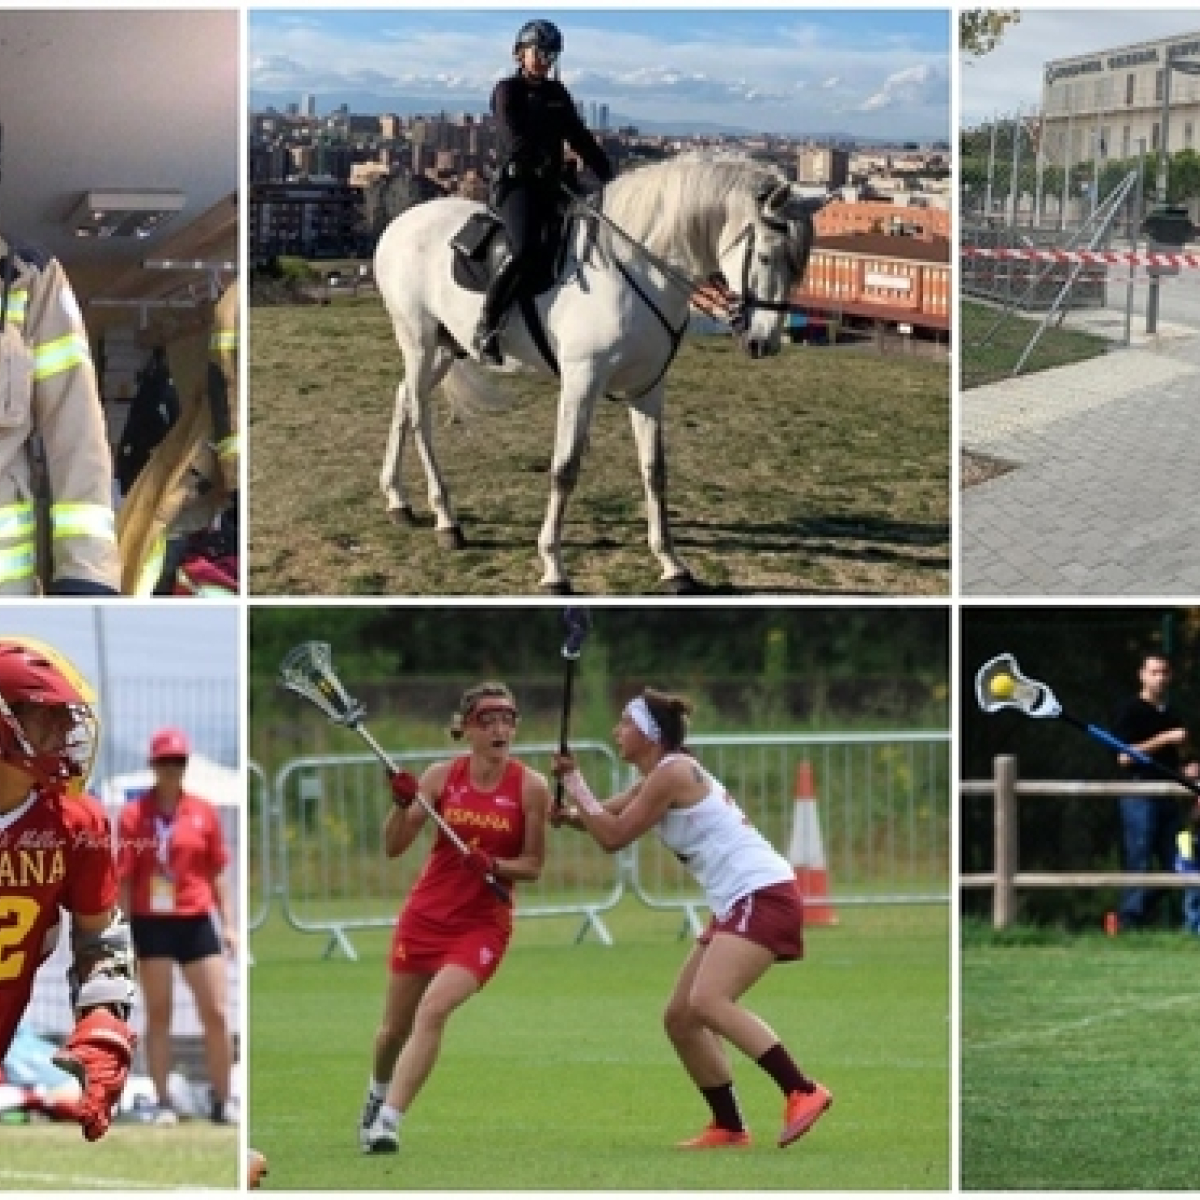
492, 716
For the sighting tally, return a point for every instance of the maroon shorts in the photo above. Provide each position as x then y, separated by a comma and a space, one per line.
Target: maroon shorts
772, 917
418, 952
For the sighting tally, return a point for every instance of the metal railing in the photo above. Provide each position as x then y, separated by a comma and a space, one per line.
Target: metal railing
884, 805
1006, 877
333, 878
883, 799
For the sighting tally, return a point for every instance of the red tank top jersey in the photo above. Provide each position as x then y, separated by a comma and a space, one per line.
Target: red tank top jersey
451, 894
187, 850
55, 852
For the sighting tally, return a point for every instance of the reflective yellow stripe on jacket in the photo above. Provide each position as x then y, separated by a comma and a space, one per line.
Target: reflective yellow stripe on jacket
18, 552
53, 358
223, 339
152, 568
18, 301
228, 447
83, 520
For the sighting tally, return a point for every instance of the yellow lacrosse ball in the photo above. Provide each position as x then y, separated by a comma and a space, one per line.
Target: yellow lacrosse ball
1003, 686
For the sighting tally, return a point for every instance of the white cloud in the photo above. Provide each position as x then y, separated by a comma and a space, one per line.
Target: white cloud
902, 87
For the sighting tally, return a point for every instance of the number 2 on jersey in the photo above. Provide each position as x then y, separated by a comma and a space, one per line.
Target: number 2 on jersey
17, 917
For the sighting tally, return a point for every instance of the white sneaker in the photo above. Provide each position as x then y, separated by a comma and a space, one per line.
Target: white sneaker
369, 1115
382, 1138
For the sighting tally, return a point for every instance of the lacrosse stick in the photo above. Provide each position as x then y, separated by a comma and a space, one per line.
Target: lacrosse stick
308, 671
999, 684
578, 621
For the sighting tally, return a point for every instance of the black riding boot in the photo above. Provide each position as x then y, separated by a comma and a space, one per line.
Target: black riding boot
502, 291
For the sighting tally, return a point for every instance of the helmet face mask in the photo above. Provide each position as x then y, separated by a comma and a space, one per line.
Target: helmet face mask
49, 728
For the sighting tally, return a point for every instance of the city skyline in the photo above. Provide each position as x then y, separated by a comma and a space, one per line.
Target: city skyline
1010, 77
782, 72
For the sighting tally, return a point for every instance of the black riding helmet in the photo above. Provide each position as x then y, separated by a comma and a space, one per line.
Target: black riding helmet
542, 35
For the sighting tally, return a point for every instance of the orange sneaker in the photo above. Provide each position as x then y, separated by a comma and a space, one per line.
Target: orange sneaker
801, 1113
713, 1137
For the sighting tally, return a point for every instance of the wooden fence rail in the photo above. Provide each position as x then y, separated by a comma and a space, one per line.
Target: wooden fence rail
1006, 877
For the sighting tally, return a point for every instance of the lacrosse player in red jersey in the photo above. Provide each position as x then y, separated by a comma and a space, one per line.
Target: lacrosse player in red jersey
56, 855
453, 931
758, 914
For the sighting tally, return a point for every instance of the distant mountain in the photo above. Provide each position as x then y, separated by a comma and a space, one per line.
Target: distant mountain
407, 106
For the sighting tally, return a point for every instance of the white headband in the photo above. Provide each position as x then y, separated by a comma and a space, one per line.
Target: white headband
638, 711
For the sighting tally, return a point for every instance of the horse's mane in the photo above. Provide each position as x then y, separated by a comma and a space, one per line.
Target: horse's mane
674, 208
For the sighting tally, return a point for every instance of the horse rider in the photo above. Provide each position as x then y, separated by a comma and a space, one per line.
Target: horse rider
535, 116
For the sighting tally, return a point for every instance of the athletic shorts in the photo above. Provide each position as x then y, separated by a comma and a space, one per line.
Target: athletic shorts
419, 952
772, 917
185, 939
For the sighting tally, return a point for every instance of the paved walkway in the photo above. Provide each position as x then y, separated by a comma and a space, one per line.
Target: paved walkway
1105, 498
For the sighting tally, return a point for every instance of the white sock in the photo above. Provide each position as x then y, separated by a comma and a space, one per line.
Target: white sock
378, 1090
390, 1116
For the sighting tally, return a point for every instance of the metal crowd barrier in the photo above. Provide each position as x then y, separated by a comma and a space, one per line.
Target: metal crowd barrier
334, 877
883, 807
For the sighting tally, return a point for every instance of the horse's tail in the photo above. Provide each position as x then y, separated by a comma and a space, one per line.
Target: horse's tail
470, 390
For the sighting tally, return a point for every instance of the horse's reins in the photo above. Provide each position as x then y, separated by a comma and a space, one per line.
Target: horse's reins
737, 304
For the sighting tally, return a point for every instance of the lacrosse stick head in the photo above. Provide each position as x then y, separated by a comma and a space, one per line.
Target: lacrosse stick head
307, 670
999, 683
578, 621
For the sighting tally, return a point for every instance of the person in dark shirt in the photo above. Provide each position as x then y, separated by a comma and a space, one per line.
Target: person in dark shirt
535, 118
1149, 823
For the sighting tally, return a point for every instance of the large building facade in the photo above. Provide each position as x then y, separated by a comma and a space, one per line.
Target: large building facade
1109, 104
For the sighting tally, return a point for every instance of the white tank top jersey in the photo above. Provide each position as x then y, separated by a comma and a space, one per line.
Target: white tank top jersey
725, 854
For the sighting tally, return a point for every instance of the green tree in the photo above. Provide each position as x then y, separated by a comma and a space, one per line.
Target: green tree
981, 29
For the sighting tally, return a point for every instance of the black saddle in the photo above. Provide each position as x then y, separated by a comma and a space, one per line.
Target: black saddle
481, 245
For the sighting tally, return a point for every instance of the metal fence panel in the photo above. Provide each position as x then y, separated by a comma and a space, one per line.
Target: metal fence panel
334, 876
883, 805
260, 815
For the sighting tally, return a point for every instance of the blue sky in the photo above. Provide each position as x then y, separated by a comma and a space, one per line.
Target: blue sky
879, 73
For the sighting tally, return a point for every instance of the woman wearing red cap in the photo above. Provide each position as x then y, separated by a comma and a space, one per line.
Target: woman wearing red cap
170, 860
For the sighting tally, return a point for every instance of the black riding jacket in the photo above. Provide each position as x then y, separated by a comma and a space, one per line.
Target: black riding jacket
534, 120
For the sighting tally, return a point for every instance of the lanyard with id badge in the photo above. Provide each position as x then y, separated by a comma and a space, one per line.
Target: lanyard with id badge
162, 885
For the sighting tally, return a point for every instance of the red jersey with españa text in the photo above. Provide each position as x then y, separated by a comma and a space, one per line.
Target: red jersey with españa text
55, 853
171, 860
450, 894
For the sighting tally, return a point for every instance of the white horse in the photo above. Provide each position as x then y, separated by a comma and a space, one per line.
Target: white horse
613, 321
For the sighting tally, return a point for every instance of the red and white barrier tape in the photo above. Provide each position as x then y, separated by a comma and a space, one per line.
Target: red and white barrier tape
1097, 257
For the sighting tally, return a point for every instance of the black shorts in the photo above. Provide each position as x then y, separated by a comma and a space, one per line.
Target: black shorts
185, 939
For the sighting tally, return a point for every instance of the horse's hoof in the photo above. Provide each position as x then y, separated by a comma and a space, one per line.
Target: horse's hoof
562, 588
451, 539
403, 515
682, 585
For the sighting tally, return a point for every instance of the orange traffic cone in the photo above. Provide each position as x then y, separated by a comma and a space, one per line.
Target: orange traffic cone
807, 854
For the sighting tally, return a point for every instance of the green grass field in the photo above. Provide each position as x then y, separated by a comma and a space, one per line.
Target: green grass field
54, 1157
559, 1076
818, 471
1078, 1066
994, 360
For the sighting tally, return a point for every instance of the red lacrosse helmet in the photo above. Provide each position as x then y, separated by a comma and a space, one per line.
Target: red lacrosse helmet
32, 673
169, 743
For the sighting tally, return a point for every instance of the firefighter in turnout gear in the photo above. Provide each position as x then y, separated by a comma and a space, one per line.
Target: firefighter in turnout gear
535, 117
52, 439
188, 489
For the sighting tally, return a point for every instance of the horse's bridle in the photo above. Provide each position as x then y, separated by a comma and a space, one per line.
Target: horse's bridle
737, 305
740, 305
